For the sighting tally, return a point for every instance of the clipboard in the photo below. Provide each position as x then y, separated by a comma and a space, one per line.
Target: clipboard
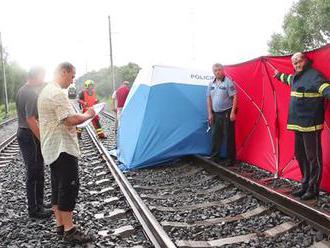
98, 108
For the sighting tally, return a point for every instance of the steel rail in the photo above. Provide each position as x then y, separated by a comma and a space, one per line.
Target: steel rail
7, 121
109, 115
316, 218
150, 225
7, 142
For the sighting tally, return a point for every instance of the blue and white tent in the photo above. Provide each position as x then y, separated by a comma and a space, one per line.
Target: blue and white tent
164, 117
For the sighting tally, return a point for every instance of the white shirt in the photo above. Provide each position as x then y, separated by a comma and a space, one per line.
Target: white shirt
54, 107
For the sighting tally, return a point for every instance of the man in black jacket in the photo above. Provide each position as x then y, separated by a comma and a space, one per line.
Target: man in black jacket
306, 117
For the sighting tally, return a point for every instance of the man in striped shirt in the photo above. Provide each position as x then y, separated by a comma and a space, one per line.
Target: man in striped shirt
60, 149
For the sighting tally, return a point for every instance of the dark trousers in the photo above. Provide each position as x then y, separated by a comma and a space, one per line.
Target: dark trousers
223, 130
34, 164
97, 125
96, 122
65, 182
308, 152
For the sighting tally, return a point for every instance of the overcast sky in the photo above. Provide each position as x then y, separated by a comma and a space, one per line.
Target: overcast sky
184, 33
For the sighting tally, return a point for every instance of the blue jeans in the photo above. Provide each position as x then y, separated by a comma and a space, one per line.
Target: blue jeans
34, 164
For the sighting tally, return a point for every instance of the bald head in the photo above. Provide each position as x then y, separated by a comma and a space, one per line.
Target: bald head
297, 56
299, 61
64, 74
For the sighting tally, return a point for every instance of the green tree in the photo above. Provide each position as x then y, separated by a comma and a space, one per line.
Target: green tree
127, 72
306, 27
103, 77
15, 77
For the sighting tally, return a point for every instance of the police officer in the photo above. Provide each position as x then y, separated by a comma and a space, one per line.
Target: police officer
88, 98
222, 107
306, 117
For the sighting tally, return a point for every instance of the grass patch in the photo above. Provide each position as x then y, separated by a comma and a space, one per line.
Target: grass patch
11, 111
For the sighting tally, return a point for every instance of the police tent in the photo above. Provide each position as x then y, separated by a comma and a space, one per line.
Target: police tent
164, 117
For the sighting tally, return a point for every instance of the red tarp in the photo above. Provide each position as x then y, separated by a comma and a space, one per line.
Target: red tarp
261, 135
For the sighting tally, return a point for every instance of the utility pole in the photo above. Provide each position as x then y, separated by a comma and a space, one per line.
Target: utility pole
111, 60
4, 77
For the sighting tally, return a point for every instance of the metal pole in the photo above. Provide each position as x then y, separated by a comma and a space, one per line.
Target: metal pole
4, 77
111, 60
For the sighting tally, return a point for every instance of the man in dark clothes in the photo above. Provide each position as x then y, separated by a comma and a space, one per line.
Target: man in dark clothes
306, 117
28, 139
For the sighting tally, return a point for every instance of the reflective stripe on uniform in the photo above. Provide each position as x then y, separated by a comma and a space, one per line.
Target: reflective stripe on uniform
99, 130
289, 79
323, 87
282, 77
305, 94
304, 129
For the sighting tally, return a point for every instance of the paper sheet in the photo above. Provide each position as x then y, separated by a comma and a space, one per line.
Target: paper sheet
97, 108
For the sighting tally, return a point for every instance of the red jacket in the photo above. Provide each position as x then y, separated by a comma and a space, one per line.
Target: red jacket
121, 95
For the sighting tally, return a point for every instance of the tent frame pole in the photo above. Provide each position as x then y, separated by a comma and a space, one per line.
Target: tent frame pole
277, 148
263, 117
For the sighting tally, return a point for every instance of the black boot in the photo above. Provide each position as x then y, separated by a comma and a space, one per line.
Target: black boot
300, 192
44, 214
309, 195
230, 162
40, 213
60, 231
214, 159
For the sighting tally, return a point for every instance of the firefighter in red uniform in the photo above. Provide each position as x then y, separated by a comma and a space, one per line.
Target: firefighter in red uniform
87, 98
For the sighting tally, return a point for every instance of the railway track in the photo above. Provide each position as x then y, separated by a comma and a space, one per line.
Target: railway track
111, 181
199, 209
181, 204
268, 191
8, 147
103, 207
8, 121
201, 206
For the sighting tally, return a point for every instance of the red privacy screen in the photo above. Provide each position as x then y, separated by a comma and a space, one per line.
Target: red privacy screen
263, 103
